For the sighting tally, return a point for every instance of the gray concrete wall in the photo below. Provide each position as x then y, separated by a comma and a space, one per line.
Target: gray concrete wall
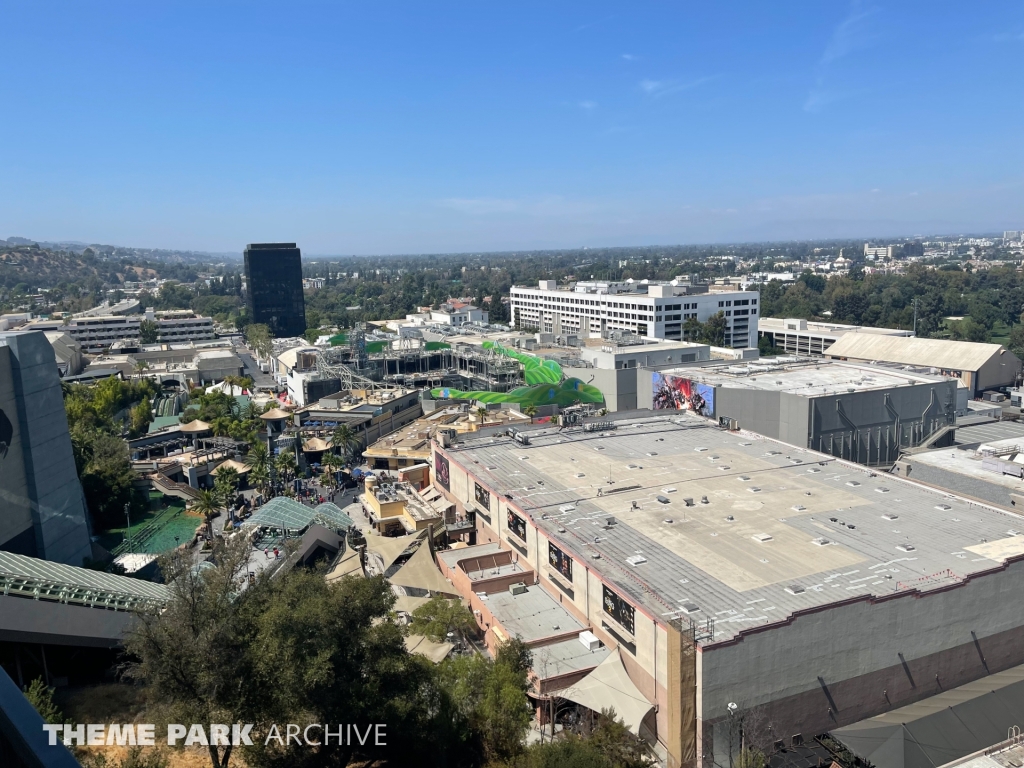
998, 371
51, 484
619, 387
756, 410
956, 483
867, 434
864, 658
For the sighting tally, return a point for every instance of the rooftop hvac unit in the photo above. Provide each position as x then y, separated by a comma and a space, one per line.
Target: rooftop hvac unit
519, 588
589, 639
688, 501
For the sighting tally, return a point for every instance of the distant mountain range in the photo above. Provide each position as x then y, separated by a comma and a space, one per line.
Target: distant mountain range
104, 251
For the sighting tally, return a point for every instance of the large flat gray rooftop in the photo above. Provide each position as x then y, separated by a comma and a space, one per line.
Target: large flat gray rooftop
810, 377
987, 431
783, 528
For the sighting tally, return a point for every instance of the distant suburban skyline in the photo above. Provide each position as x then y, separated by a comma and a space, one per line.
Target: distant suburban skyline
358, 128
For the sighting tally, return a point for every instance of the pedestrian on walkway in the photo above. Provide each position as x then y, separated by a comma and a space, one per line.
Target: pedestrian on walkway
266, 552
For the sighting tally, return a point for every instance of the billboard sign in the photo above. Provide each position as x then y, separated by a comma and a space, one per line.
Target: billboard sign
675, 393
442, 472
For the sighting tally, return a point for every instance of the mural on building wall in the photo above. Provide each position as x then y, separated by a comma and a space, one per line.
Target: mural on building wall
675, 393
517, 525
483, 496
442, 472
618, 609
560, 561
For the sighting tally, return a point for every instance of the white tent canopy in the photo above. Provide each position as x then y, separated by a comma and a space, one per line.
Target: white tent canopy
421, 573
609, 687
390, 549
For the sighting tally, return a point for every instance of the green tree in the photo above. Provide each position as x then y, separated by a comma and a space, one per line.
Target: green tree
40, 696
618, 744
531, 411
1016, 344
440, 616
713, 331
331, 464
345, 438
107, 478
226, 485
141, 418
569, 751
149, 332
259, 339
207, 504
325, 651
285, 464
192, 654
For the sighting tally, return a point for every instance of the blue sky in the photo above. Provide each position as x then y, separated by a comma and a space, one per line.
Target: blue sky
362, 128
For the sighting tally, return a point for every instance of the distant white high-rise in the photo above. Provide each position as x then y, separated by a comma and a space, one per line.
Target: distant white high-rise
1012, 236
592, 309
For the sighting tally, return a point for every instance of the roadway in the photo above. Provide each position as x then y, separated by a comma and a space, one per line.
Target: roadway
251, 368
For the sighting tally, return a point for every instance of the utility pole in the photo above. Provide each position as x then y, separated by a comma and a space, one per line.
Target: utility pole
915, 316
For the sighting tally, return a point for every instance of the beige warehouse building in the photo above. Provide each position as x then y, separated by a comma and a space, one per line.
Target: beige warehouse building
980, 367
724, 568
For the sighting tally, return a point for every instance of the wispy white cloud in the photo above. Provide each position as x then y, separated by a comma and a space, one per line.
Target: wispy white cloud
658, 88
856, 32
590, 24
629, 57
587, 105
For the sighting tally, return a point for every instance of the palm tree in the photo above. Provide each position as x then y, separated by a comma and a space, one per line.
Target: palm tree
207, 505
285, 463
330, 464
344, 438
260, 478
258, 458
481, 413
251, 412
225, 485
221, 426
140, 368
531, 411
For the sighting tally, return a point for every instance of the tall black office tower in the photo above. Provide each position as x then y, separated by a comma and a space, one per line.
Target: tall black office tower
273, 293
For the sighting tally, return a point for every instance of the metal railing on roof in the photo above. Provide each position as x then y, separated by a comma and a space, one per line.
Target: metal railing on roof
23, 576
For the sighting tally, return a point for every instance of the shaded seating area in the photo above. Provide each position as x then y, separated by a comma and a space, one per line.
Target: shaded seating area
608, 687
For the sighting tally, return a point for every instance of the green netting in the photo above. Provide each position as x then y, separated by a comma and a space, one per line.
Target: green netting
431, 346
535, 370
374, 347
339, 340
565, 394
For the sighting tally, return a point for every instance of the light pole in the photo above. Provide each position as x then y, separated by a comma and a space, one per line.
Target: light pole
733, 709
128, 530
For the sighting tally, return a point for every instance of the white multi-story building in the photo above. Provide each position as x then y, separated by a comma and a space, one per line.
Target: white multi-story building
457, 314
96, 333
656, 310
182, 325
